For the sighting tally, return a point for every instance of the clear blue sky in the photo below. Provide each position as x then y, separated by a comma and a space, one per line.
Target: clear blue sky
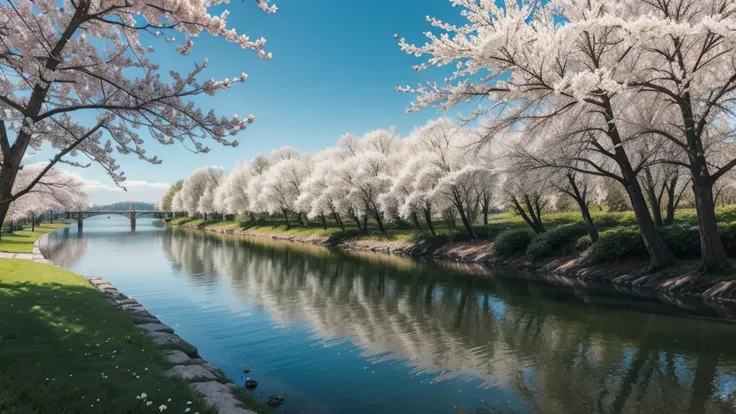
334, 69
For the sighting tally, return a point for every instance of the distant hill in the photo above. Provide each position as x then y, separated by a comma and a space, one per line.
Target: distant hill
124, 206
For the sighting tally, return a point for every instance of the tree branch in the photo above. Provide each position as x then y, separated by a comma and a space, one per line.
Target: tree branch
51, 164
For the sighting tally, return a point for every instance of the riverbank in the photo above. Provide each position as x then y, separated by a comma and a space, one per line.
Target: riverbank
564, 262
65, 348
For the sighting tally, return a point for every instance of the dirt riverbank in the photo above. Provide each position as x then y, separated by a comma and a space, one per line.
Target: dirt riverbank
630, 276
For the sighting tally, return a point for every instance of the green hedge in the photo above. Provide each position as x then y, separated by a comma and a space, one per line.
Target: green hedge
546, 243
618, 243
583, 243
510, 242
683, 240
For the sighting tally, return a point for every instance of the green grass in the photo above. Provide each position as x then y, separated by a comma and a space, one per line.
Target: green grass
65, 349
407, 233
22, 241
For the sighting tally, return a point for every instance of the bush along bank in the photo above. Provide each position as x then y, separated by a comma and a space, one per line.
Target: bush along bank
617, 257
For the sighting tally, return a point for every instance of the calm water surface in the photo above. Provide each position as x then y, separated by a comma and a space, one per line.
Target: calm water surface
347, 333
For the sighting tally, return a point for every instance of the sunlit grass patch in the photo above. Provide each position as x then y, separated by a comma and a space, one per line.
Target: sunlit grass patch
22, 241
65, 349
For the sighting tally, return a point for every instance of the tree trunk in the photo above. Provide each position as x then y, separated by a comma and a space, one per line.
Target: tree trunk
338, 221
449, 215
659, 254
7, 179
457, 200
357, 221
671, 202
33, 221
365, 223
379, 220
324, 221
711, 248
654, 202
415, 219
592, 230
286, 216
466, 223
534, 213
582, 199
522, 213
538, 209
428, 219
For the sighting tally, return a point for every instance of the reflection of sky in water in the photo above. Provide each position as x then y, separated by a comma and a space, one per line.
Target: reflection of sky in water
340, 332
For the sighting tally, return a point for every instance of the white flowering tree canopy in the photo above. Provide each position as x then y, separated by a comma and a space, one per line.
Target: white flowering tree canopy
80, 76
197, 194
57, 191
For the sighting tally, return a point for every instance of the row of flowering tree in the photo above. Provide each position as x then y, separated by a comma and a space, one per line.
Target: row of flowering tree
607, 88
441, 171
431, 174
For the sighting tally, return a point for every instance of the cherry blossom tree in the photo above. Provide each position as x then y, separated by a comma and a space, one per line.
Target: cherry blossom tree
458, 177
197, 192
282, 183
681, 54
64, 63
605, 61
532, 70
409, 196
56, 191
368, 174
165, 202
231, 196
318, 196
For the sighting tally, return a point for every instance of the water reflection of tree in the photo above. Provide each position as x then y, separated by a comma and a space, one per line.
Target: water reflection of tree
64, 250
560, 351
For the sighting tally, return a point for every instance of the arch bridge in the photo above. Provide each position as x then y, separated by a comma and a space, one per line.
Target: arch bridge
132, 215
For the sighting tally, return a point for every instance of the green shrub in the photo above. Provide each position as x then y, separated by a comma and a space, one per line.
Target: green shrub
546, 243
727, 232
583, 243
616, 199
687, 216
618, 243
726, 214
512, 241
683, 240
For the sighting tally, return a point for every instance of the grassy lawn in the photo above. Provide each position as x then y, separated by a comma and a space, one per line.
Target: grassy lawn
407, 232
65, 349
22, 241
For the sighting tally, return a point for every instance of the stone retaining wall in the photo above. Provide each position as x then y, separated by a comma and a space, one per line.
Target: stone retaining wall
204, 377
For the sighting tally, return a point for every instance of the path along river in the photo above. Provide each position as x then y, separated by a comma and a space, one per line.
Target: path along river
338, 332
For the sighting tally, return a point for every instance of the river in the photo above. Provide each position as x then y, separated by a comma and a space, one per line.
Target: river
339, 332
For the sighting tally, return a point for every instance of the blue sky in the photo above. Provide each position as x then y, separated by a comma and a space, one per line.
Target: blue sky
334, 69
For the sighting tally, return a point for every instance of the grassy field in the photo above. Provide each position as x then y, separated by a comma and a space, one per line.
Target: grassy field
407, 232
66, 349
22, 241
